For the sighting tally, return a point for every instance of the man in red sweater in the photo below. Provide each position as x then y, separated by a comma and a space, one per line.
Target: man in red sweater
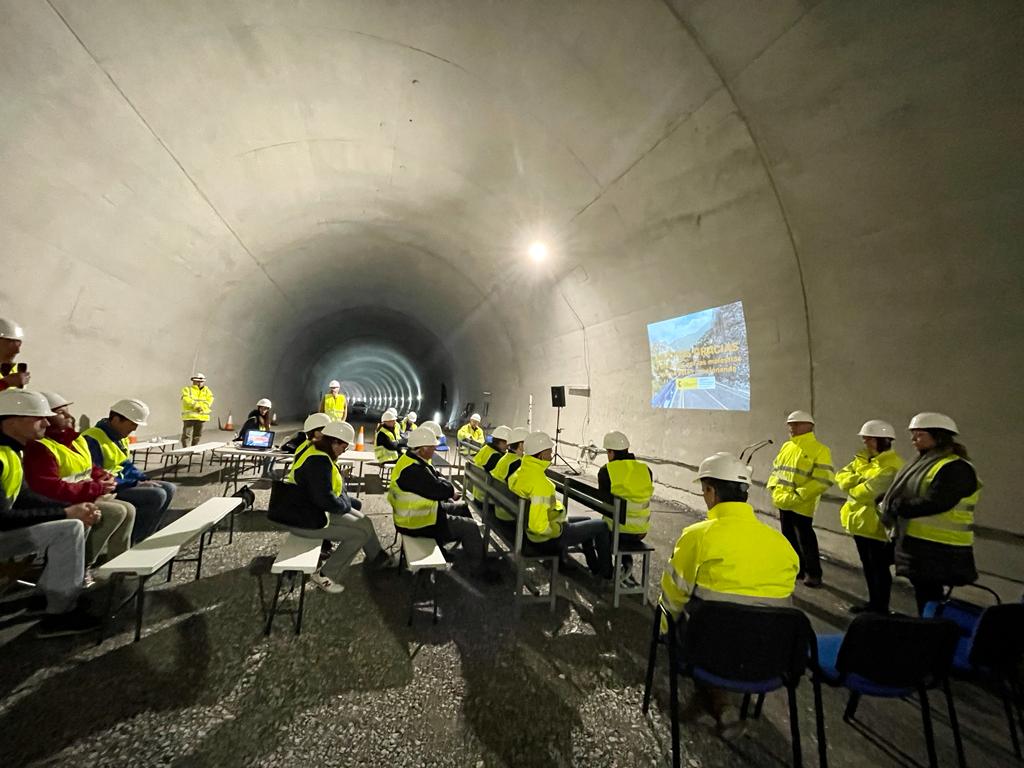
60, 467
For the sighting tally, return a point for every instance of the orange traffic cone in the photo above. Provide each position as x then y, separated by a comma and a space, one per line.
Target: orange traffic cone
360, 439
228, 425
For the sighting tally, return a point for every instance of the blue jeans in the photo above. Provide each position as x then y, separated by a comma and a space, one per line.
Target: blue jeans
150, 502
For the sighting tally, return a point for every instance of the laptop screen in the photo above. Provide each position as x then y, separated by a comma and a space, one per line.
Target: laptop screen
258, 438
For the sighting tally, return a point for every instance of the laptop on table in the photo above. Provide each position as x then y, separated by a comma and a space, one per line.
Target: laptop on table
258, 440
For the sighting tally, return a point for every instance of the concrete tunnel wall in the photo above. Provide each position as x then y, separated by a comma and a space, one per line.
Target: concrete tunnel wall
225, 186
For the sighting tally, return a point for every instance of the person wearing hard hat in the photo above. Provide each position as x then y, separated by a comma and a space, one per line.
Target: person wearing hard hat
865, 480
490, 453
506, 466
59, 467
11, 337
426, 505
802, 472
625, 477
547, 527
316, 506
388, 443
471, 431
311, 427
442, 441
731, 556
334, 403
196, 407
31, 524
108, 446
931, 503
408, 424
259, 418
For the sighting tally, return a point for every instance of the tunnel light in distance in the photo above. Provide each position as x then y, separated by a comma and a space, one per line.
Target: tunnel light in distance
538, 251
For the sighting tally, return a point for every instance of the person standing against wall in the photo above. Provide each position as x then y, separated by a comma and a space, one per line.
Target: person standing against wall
334, 403
931, 503
196, 407
865, 480
802, 472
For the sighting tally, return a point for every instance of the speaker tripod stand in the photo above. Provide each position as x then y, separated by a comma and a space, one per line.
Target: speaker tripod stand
556, 456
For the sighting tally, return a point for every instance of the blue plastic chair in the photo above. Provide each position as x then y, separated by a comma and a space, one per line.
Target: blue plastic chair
745, 649
893, 657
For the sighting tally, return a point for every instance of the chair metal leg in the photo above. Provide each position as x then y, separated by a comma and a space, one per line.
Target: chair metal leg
199, 557
1017, 694
758, 706
140, 606
433, 593
794, 727
553, 589
273, 605
673, 686
302, 604
851, 707
645, 576
412, 598
652, 659
954, 723
1006, 691
929, 734
170, 571
819, 716
745, 706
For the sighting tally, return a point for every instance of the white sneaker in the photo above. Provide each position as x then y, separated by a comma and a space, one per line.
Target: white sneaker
324, 583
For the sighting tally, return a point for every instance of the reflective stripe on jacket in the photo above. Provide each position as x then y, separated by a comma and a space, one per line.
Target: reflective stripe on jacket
74, 463
481, 460
801, 473
13, 473
411, 510
115, 454
865, 479
546, 512
380, 452
334, 406
466, 432
631, 480
955, 526
196, 403
337, 485
500, 472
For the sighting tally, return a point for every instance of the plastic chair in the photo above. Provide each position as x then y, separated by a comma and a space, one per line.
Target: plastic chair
990, 646
893, 657
745, 649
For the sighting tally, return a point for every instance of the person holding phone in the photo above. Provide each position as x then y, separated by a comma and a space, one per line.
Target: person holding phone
13, 374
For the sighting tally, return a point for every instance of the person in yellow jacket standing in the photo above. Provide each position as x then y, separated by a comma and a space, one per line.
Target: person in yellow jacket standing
931, 503
334, 402
196, 407
632, 480
731, 556
865, 480
802, 472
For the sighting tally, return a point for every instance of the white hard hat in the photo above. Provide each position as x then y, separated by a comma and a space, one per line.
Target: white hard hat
797, 416
264, 403
616, 441
340, 430
518, 435
132, 409
23, 402
334, 383
434, 427
389, 415
537, 442
11, 330
930, 420
315, 421
422, 437
411, 416
475, 417
198, 377
56, 401
877, 428
501, 433
724, 466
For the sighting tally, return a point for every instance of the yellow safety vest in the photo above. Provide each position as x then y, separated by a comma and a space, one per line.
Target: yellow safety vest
74, 464
546, 512
13, 473
631, 480
954, 527
865, 479
410, 509
466, 432
337, 486
481, 460
382, 454
500, 472
731, 556
334, 406
801, 473
115, 454
196, 403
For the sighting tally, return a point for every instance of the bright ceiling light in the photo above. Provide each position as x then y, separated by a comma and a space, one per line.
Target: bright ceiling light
538, 251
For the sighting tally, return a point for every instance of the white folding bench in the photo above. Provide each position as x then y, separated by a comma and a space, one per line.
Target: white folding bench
423, 556
151, 555
297, 555
200, 450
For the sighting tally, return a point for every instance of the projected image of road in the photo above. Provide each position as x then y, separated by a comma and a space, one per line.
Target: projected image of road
701, 361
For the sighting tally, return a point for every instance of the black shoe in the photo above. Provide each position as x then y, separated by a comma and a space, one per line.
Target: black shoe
814, 582
76, 622
861, 608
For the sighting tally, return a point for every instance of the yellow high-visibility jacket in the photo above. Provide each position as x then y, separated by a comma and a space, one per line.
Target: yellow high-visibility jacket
865, 479
334, 406
196, 403
546, 512
801, 473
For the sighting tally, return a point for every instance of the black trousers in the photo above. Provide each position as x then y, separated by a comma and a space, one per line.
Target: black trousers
926, 592
876, 557
799, 530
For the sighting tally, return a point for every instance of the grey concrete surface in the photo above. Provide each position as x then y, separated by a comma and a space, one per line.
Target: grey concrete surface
252, 188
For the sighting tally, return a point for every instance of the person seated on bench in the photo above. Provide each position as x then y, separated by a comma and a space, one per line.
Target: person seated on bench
312, 427
59, 467
489, 455
258, 420
425, 504
731, 556
505, 467
108, 445
632, 480
547, 529
408, 424
470, 431
33, 525
388, 444
316, 506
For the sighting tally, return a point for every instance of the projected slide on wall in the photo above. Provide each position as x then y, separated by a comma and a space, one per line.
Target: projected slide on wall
701, 360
